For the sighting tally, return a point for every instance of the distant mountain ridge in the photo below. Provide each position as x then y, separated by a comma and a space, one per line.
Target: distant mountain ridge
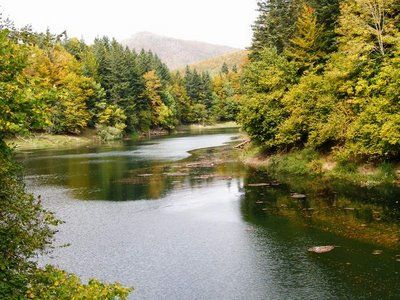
176, 53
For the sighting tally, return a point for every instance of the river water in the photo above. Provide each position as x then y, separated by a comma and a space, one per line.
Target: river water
179, 217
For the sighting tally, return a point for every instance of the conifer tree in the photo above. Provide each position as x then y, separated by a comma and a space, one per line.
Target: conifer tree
224, 68
234, 68
305, 46
275, 24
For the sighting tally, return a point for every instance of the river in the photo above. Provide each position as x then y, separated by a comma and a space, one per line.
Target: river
179, 217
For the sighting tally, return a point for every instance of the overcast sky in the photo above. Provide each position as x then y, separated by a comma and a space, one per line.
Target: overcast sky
225, 22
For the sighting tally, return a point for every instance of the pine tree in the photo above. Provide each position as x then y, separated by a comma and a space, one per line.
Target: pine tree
305, 46
224, 68
234, 68
275, 24
327, 12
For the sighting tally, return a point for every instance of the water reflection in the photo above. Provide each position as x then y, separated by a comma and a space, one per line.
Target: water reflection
369, 214
357, 226
126, 171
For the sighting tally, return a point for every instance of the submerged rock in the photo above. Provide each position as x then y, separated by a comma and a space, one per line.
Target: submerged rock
258, 184
176, 174
298, 196
349, 208
321, 249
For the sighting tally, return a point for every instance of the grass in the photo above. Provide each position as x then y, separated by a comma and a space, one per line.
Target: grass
50, 141
311, 163
366, 174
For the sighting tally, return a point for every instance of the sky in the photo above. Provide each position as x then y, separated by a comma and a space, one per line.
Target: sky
225, 22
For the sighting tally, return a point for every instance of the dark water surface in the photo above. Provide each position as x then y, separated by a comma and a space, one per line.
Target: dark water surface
179, 218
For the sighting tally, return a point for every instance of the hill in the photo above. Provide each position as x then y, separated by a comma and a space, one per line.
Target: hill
175, 53
214, 64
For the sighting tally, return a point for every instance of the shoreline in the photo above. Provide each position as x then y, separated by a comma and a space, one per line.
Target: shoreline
42, 141
313, 164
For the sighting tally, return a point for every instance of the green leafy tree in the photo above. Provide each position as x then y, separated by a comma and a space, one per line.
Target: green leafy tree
18, 112
226, 97
265, 82
110, 121
57, 80
161, 115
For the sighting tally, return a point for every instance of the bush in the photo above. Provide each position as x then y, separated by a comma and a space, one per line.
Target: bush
265, 82
52, 283
109, 133
110, 122
26, 229
298, 163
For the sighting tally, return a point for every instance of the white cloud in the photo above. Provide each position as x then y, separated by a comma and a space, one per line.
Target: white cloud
217, 21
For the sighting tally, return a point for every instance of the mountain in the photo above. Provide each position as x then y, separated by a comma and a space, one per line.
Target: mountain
214, 64
175, 53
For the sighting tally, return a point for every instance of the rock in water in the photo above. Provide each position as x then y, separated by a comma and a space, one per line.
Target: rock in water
298, 196
321, 249
258, 184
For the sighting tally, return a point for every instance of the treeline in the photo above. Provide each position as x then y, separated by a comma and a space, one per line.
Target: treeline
325, 75
56, 84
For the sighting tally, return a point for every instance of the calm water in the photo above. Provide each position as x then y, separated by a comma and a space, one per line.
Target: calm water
179, 218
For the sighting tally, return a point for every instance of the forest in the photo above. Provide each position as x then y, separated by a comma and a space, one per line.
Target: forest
325, 75
60, 85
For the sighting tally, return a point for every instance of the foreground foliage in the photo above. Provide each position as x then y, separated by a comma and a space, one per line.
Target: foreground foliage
27, 230
51, 283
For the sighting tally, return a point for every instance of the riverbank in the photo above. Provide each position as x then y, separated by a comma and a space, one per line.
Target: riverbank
37, 141
311, 163
51, 141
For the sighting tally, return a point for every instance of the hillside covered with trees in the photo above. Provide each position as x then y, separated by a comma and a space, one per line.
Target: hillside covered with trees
57, 84
324, 75
233, 60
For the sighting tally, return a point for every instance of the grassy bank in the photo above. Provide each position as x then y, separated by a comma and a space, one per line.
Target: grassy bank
51, 141
311, 163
